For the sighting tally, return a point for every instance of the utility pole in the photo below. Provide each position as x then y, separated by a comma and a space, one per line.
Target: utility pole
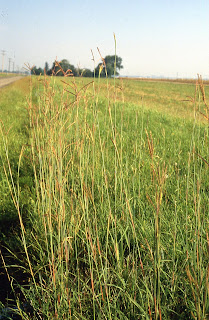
10, 59
3, 52
14, 63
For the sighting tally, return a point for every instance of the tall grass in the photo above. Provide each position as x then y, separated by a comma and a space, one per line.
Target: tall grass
118, 226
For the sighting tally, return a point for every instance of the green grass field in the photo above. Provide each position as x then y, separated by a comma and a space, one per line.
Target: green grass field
3, 75
104, 198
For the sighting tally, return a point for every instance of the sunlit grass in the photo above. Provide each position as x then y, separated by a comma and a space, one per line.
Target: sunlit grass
116, 223
170, 98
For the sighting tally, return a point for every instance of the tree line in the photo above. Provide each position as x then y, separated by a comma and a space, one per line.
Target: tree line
110, 66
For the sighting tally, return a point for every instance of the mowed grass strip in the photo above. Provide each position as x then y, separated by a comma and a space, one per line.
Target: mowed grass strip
14, 136
13, 101
5, 75
169, 98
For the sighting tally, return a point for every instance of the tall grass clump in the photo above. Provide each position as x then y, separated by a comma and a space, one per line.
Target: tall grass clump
117, 227
197, 268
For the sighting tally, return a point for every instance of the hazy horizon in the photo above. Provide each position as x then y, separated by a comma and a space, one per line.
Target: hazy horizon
160, 38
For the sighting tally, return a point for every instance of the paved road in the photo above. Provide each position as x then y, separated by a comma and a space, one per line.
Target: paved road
7, 80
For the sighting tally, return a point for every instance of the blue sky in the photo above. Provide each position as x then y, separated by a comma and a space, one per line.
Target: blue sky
154, 37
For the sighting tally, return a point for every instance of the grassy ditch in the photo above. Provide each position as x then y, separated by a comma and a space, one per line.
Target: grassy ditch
112, 202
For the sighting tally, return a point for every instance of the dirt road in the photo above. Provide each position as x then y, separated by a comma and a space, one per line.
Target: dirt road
4, 81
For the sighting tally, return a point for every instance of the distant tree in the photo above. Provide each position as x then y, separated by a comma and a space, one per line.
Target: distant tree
111, 67
63, 65
37, 71
49, 72
87, 73
46, 67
